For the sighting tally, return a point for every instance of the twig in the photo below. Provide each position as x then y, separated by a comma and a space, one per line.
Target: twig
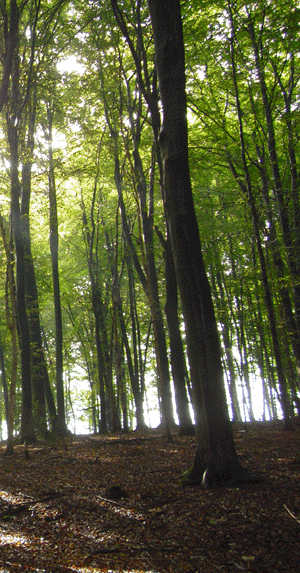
291, 514
122, 548
109, 500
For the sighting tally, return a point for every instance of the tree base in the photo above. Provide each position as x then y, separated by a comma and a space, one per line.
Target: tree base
61, 430
26, 439
9, 451
209, 475
186, 430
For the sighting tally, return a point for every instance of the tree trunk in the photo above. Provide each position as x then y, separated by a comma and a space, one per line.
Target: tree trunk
11, 320
39, 371
27, 424
89, 237
11, 44
178, 365
216, 459
222, 306
60, 426
137, 361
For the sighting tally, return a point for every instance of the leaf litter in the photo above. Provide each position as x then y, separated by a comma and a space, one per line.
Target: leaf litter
113, 504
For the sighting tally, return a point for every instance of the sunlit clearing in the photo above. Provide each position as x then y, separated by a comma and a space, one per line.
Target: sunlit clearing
70, 65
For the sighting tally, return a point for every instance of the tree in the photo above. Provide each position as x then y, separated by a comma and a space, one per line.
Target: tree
216, 459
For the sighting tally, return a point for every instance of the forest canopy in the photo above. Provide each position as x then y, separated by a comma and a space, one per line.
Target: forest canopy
92, 328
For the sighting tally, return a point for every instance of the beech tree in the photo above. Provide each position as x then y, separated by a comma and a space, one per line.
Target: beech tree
216, 460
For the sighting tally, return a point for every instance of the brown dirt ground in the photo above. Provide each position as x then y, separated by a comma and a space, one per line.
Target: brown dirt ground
55, 515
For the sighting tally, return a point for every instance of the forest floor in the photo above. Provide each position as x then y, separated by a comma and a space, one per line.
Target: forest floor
56, 515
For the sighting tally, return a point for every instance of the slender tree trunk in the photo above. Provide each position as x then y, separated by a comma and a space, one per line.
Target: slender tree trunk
95, 306
60, 426
145, 194
149, 282
27, 426
178, 365
137, 373
227, 342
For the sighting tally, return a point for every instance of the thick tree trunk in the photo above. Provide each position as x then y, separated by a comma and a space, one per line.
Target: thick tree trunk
216, 459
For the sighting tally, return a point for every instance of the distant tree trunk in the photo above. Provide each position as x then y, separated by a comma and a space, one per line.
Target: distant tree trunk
136, 371
89, 238
104, 347
60, 426
222, 306
178, 365
216, 459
